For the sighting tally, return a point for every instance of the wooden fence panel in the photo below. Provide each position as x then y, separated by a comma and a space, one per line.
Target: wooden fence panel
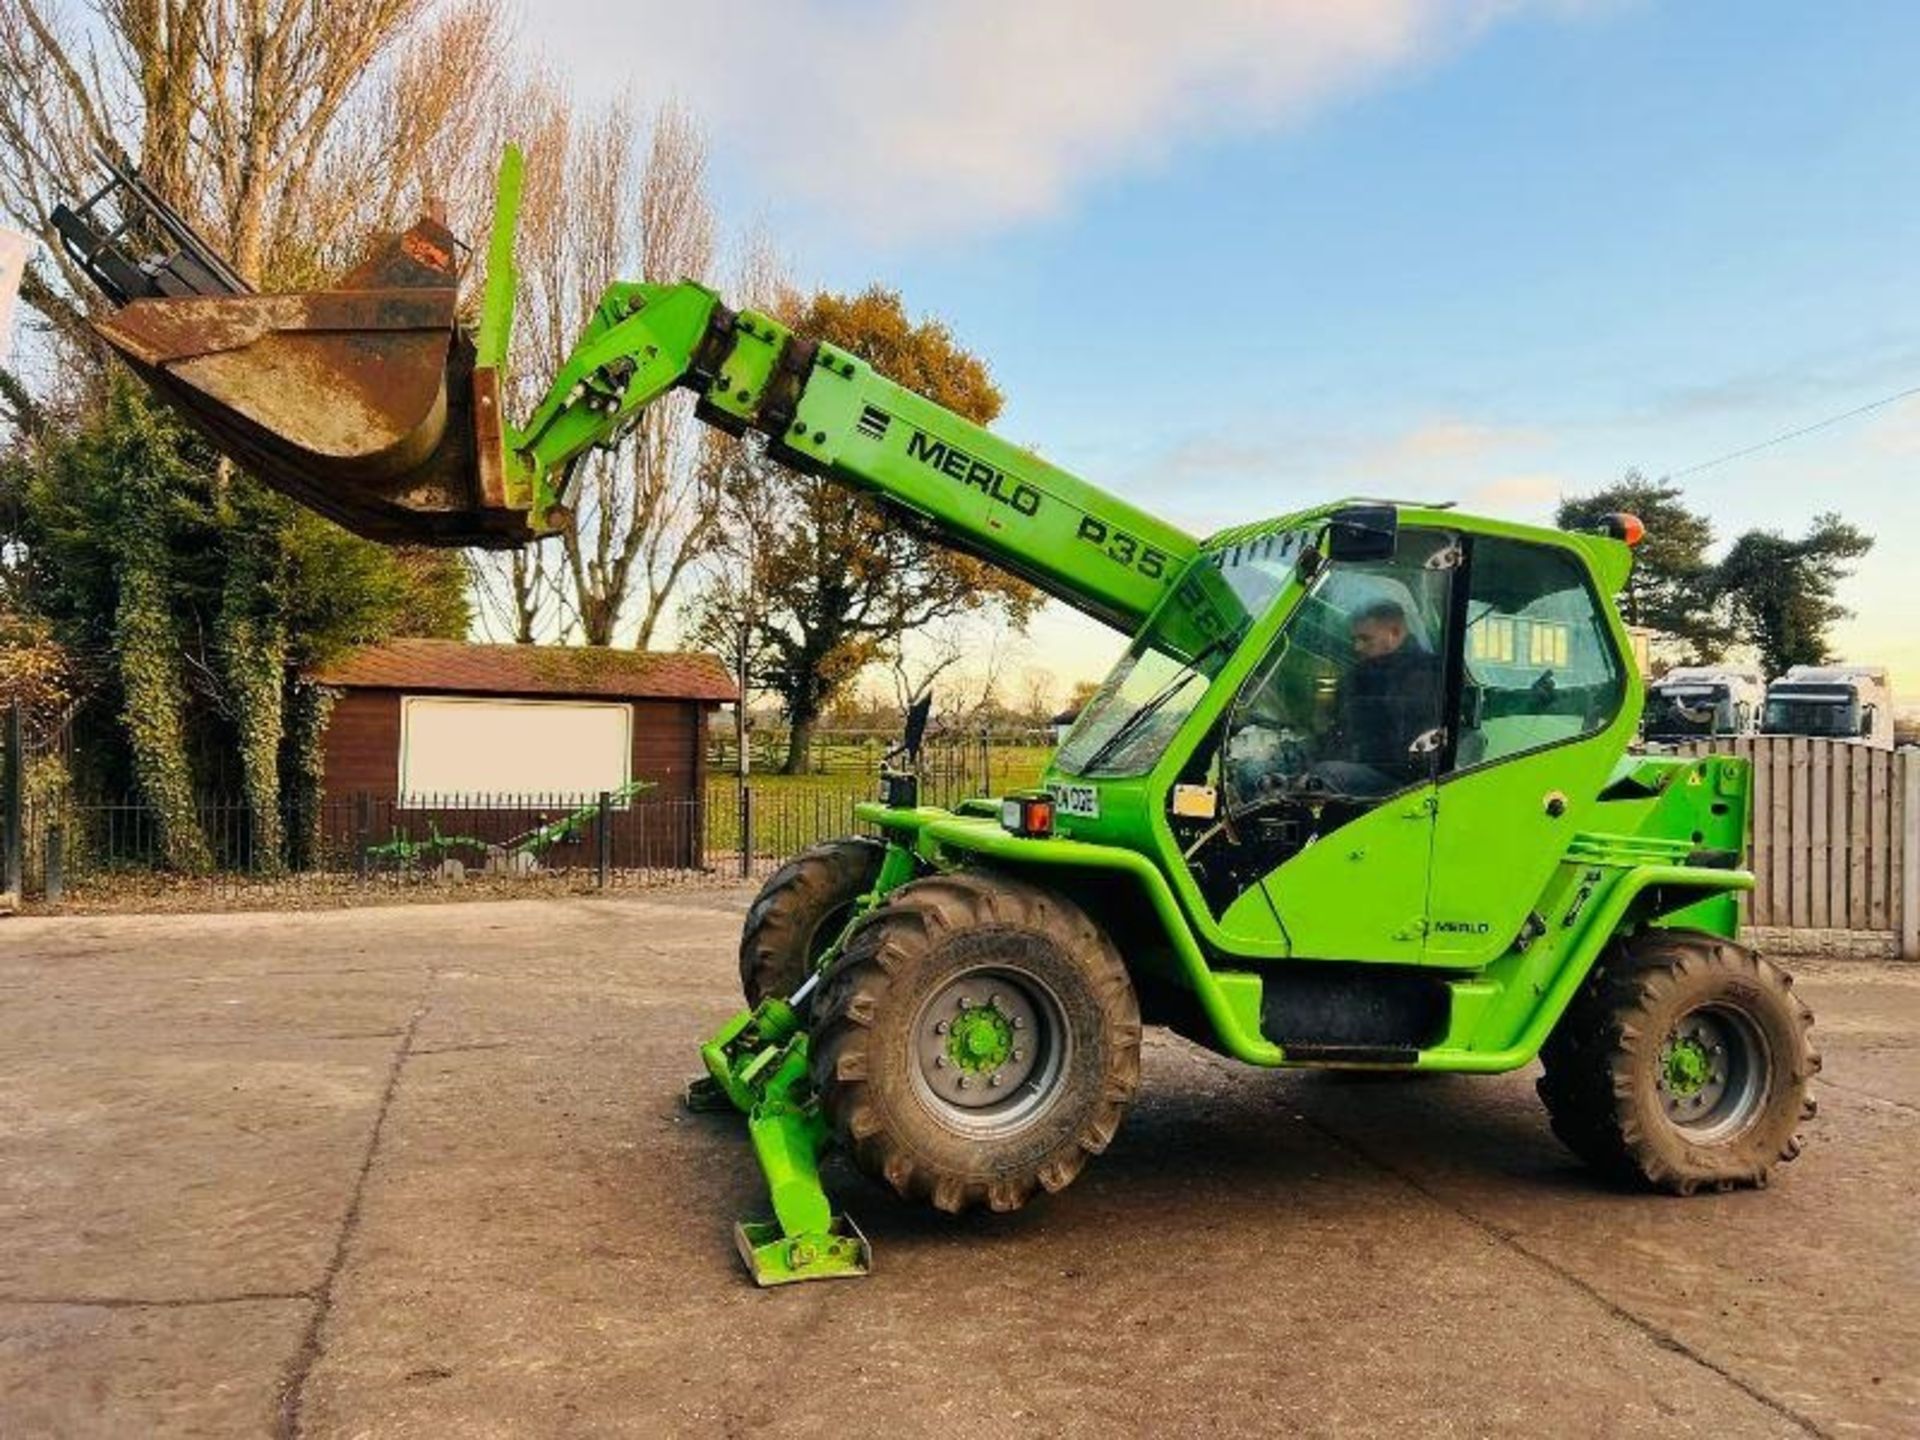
1834, 835
1899, 829
1908, 765
1799, 910
1744, 749
1857, 847
1839, 829
1818, 846
1880, 836
1779, 818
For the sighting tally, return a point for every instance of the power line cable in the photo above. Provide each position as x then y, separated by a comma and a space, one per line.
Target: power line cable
1745, 451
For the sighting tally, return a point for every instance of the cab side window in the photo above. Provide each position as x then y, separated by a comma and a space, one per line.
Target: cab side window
1351, 703
1539, 665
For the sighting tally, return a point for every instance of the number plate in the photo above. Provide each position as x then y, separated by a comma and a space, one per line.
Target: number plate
1080, 800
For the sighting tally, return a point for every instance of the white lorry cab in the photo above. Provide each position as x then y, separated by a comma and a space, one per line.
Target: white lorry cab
1834, 702
1693, 702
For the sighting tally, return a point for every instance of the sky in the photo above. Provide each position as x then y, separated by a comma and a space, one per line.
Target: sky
1230, 257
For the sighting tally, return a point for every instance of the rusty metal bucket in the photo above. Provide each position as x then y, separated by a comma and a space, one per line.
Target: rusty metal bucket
362, 401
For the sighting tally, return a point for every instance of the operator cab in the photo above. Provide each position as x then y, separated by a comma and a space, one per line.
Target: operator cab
1415, 654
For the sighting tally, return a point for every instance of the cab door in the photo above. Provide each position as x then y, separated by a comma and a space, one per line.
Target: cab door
1331, 752
1540, 694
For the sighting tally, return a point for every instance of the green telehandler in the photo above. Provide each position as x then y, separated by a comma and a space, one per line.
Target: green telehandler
1358, 794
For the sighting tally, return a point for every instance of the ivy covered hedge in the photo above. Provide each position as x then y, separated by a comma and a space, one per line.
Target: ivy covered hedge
187, 601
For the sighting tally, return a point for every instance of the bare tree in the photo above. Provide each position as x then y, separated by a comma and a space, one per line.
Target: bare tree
285, 130
1038, 691
971, 693
916, 669
607, 200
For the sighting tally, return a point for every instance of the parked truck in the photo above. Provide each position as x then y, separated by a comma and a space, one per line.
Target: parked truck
1692, 702
1358, 794
1832, 702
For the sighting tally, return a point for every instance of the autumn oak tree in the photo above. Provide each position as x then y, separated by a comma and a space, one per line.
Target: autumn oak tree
832, 583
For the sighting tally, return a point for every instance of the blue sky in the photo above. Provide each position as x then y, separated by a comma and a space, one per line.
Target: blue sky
1488, 250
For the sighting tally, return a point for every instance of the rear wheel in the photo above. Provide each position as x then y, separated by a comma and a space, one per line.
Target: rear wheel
977, 1041
801, 910
1683, 1062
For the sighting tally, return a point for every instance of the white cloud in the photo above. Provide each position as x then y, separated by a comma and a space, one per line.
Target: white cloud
1452, 441
1524, 495
936, 116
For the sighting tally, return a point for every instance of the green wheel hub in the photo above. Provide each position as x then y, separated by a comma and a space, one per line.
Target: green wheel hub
1713, 1073
1687, 1066
980, 1038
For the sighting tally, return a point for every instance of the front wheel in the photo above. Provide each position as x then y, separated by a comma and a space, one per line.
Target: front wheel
801, 911
1683, 1063
976, 1041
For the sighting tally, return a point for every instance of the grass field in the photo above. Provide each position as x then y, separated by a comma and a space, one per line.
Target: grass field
791, 812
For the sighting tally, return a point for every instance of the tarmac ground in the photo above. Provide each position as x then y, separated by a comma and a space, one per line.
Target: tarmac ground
424, 1171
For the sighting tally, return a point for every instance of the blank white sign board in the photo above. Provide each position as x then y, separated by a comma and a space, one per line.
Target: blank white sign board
504, 748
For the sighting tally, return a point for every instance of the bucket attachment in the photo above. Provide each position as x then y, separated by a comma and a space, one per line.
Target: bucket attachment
363, 401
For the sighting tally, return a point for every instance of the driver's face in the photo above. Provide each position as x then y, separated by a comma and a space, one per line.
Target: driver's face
1374, 638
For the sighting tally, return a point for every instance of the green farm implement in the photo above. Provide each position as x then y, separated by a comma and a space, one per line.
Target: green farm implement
1359, 793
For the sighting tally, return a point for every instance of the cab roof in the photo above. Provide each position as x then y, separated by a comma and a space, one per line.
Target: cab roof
1610, 561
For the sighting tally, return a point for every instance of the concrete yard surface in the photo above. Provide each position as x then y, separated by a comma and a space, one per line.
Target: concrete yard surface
424, 1172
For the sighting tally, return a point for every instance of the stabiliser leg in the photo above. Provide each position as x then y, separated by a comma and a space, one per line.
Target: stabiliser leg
757, 1064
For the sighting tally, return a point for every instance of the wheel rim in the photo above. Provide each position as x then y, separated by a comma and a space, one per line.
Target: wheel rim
990, 1048
1713, 1073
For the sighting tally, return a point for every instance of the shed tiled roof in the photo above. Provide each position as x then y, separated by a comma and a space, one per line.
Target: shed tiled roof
453, 665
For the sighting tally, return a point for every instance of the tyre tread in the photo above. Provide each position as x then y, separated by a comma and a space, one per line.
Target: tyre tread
783, 916
1589, 1084
915, 919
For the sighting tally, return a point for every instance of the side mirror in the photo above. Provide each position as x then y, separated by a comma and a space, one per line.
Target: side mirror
917, 726
1362, 533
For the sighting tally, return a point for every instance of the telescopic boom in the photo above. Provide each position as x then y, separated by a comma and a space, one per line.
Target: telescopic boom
370, 404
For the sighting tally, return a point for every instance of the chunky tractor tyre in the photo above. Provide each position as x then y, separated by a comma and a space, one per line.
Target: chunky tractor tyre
800, 911
976, 1041
1682, 1063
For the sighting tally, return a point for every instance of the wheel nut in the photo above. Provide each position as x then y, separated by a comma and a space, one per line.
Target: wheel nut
963, 1082
964, 1002
939, 1062
994, 1000
1018, 1056
1018, 1023
993, 1079
939, 1027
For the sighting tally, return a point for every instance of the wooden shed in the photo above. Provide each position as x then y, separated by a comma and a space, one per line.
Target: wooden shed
500, 738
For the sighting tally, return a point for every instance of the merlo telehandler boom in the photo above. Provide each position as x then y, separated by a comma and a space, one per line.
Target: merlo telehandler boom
1358, 794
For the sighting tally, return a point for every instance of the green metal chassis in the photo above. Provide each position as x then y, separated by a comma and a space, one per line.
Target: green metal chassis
1607, 882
